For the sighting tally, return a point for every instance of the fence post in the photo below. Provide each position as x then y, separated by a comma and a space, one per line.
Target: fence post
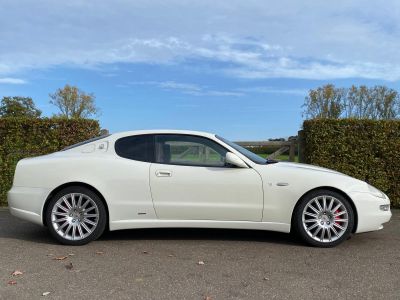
292, 150
301, 145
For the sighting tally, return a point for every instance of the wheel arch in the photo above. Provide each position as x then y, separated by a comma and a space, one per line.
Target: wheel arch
333, 189
75, 183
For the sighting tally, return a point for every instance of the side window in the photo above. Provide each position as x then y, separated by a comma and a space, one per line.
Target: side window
189, 150
136, 147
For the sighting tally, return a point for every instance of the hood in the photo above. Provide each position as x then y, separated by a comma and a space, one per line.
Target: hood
292, 165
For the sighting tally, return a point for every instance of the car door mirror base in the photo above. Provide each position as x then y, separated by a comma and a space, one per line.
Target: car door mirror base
233, 159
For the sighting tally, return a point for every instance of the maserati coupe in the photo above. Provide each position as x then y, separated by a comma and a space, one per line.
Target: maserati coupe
175, 178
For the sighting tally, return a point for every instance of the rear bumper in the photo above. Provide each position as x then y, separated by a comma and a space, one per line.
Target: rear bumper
27, 203
370, 216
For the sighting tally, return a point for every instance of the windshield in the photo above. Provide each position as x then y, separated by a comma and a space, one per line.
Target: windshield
250, 155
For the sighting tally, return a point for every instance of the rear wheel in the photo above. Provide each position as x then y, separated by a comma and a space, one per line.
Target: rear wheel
76, 216
324, 218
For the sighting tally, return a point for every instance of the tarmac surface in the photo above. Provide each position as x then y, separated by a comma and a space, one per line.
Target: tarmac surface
196, 264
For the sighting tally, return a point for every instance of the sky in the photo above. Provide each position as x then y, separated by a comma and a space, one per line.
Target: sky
240, 69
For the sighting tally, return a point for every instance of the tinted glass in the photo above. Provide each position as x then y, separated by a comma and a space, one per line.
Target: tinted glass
137, 147
189, 150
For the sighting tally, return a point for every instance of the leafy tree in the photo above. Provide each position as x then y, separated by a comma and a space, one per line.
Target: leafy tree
387, 103
358, 102
324, 102
104, 131
18, 107
378, 102
73, 103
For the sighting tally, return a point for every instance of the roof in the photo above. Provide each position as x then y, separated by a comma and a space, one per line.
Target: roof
163, 131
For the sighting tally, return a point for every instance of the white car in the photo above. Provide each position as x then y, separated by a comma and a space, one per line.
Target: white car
170, 178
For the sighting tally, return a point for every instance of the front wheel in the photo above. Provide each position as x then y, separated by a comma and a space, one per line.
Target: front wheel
76, 216
324, 218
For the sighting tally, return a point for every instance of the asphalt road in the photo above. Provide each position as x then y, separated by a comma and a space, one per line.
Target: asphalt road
164, 264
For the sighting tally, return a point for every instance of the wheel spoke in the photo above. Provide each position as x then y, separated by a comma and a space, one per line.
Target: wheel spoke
334, 231
86, 203
80, 201
73, 232
339, 214
90, 215
310, 220
89, 222
324, 202
338, 226
322, 234
66, 202
61, 207
73, 200
341, 220
89, 209
57, 213
67, 230
313, 208
60, 220
62, 226
310, 214
312, 227
319, 205
331, 204
337, 207
80, 231
317, 231
86, 228
328, 230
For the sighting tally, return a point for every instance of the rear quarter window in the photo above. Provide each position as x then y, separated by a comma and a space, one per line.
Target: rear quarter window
136, 147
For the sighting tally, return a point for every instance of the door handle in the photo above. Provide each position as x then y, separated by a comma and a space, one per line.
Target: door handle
163, 173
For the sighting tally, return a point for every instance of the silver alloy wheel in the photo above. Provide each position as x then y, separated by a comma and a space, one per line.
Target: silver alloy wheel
75, 216
325, 218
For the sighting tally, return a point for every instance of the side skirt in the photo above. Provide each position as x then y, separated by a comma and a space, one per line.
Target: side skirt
136, 224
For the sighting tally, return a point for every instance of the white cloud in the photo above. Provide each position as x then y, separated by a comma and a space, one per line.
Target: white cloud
250, 39
273, 90
189, 89
9, 80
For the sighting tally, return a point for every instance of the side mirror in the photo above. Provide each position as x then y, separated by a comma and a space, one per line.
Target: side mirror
233, 159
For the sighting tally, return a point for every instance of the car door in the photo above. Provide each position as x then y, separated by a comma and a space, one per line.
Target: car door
190, 181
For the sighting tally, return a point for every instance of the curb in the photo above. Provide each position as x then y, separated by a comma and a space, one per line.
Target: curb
3, 208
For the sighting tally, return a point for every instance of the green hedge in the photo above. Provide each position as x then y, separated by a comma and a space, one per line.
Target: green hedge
26, 137
365, 149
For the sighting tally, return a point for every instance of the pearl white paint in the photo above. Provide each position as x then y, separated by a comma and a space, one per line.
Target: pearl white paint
253, 197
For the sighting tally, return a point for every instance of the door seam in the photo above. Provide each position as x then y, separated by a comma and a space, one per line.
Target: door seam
151, 193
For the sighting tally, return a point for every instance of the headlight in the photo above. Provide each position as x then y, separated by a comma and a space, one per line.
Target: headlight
374, 191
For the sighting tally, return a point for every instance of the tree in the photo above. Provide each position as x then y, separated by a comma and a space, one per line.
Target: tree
378, 102
358, 102
324, 102
387, 103
19, 107
73, 103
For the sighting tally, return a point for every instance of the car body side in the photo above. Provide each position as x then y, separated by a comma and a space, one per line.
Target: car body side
125, 187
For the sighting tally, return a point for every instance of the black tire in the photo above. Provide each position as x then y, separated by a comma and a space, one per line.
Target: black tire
101, 221
306, 235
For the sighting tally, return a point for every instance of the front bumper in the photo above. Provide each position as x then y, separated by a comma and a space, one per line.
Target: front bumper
27, 203
370, 215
